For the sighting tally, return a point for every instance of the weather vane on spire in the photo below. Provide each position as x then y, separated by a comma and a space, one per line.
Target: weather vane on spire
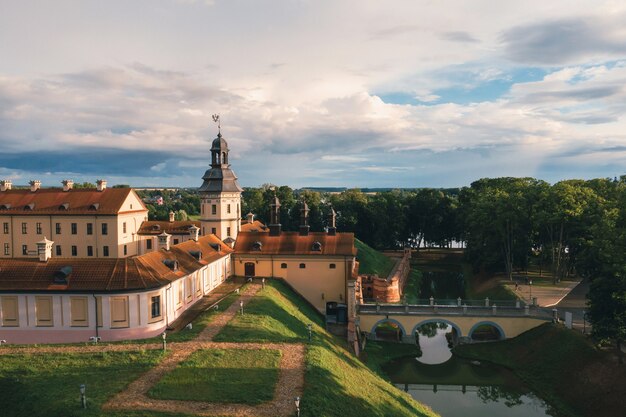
216, 119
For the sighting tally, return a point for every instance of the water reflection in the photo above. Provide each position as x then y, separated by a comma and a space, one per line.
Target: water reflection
434, 343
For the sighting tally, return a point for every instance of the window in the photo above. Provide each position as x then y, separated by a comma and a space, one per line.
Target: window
124, 227
5, 227
283, 266
105, 251
176, 241
10, 311
213, 209
24, 229
89, 250
155, 307
6, 249
79, 312
105, 229
188, 293
38, 228
90, 228
58, 228
125, 250
58, 249
43, 311
74, 228
228, 231
149, 244
228, 208
302, 266
74, 250
131, 206
119, 312
24, 249
332, 266
179, 294
213, 230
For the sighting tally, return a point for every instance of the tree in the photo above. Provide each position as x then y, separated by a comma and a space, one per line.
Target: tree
607, 309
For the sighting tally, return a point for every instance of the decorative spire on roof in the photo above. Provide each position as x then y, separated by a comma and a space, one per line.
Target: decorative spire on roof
216, 119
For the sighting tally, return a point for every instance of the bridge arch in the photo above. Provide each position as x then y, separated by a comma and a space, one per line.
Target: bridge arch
437, 320
487, 323
387, 320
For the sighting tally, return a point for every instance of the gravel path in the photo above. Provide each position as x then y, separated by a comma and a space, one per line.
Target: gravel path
289, 385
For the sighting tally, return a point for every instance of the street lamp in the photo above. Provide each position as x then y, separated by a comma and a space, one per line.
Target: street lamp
530, 286
164, 336
241, 307
83, 399
584, 323
297, 406
310, 327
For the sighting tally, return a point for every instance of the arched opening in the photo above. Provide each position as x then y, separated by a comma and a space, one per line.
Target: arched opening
486, 331
436, 338
388, 330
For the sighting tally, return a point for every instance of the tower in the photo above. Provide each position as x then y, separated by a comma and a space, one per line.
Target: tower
220, 194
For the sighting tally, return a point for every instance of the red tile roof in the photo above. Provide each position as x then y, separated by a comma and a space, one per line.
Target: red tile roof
98, 275
254, 226
57, 201
291, 243
173, 228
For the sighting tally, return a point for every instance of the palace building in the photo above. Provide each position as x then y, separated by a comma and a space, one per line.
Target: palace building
77, 264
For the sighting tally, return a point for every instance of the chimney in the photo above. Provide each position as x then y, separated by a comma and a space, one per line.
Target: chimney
332, 228
275, 226
164, 241
67, 185
34, 185
304, 219
44, 250
102, 185
250, 218
5, 185
194, 233
172, 217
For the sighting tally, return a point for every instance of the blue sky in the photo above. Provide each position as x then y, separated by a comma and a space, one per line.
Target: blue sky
312, 93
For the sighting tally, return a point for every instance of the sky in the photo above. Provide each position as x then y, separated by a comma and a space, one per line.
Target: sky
312, 93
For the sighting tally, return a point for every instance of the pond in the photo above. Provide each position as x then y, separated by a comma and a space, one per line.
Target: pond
455, 387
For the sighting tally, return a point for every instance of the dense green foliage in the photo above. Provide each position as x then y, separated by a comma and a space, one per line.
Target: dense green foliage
48, 384
371, 261
336, 383
241, 376
183, 202
562, 366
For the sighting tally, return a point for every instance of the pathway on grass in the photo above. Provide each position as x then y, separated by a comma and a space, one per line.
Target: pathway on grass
289, 385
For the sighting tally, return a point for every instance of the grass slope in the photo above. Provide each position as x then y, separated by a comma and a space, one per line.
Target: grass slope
239, 376
371, 261
336, 383
563, 367
48, 385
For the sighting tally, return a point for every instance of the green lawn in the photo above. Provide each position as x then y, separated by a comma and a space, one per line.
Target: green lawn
336, 383
227, 376
48, 384
562, 366
412, 286
371, 261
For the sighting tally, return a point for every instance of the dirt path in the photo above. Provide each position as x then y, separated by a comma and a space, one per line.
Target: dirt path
289, 385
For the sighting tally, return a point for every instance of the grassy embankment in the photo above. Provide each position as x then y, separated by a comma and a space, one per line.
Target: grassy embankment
563, 367
336, 383
371, 261
227, 376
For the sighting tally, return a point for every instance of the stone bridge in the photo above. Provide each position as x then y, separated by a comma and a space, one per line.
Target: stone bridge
510, 321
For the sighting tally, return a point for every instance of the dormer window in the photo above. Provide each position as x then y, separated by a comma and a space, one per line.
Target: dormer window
5, 206
316, 247
94, 206
156, 227
171, 264
29, 207
196, 254
64, 206
215, 246
62, 276
257, 246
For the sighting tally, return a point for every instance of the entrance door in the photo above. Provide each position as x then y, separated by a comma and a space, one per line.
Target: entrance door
249, 269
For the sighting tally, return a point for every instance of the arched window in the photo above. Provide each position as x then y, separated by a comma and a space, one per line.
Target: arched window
283, 266
317, 246
302, 266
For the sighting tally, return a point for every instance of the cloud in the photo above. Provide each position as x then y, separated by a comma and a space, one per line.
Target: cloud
459, 36
566, 41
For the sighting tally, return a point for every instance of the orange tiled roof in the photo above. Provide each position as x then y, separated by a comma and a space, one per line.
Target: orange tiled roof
155, 228
57, 201
254, 226
98, 275
291, 243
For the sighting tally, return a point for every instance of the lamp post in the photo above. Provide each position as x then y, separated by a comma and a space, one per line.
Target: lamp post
310, 328
241, 307
83, 399
164, 336
530, 286
297, 402
584, 323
